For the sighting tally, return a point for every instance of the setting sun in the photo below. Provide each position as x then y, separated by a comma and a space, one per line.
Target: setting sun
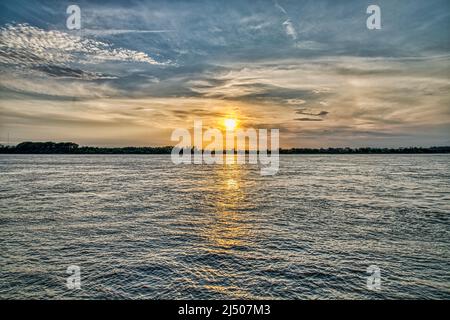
230, 124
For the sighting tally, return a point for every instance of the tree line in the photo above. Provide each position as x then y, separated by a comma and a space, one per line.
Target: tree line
73, 148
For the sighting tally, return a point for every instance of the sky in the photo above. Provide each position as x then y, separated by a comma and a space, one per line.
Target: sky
137, 70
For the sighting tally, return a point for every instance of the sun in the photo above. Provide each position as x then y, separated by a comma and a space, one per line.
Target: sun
230, 124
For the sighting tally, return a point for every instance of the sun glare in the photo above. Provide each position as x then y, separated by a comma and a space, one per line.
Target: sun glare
230, 124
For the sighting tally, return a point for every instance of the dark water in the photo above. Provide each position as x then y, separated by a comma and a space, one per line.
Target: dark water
140, 227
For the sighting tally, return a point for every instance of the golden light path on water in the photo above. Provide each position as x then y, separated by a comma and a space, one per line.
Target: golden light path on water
229, 229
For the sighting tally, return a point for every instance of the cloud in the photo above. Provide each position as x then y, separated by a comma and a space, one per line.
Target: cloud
31, 59
371, 95
108, 32
66, 72
295, 101
310, 45
288, 25
308, 119
290, 30
277, 5
54, 88
25, 45
308, 113
197, 113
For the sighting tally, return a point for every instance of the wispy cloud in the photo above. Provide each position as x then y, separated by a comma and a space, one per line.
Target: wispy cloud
54, 88
290, 29
277, 5
308, 119
25, 45
305, 112
108, 32
287, 24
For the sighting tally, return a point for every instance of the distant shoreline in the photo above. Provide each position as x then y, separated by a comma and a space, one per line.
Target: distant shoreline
73, 148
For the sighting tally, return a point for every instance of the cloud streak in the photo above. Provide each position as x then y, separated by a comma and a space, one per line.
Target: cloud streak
25, 45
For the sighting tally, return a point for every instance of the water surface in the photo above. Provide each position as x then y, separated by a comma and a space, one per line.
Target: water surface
141, 227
